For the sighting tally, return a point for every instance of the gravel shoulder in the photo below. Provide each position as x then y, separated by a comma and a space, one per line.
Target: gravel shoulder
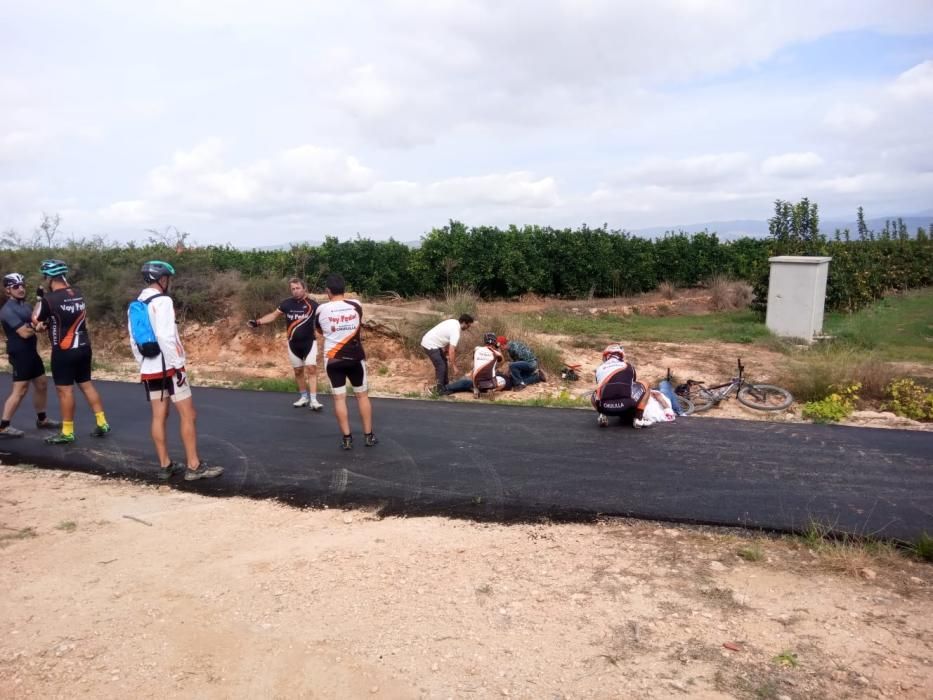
113, 588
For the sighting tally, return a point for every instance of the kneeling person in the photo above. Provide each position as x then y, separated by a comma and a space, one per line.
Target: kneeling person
164, 378
340, 321
298, 311
618, 393
484, 377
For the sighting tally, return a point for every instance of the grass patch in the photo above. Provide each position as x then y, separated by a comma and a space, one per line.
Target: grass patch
897, 328
267, 384
787, 659
67, 526
561, 400
752, 552
8, 535
843, 553
732, 326
923, 548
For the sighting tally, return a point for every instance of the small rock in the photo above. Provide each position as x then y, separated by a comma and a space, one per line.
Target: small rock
435, 668
347, 519
916, 579
677, 685
870, 574
374, 689
717, 566
861, 680
784, 697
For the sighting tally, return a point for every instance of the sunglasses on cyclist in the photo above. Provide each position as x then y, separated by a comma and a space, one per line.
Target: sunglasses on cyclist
16, 286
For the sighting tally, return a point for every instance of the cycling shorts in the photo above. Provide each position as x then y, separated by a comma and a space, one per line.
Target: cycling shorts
339, 371
176, 387
302, 353
71, 366
27, 365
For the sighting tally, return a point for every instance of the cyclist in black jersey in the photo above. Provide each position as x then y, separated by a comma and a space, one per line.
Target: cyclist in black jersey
63, 311
298, 310
28, 368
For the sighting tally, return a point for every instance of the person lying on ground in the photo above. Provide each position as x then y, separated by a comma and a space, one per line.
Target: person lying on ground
298, 311
484, 377
440, 345
523, 365
618, 393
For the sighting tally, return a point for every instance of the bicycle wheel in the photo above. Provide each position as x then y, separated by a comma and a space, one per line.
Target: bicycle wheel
686, 405
702, 399
765, 397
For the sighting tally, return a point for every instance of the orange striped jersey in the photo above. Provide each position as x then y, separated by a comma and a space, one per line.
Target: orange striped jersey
65, 312
299, 315
341, 324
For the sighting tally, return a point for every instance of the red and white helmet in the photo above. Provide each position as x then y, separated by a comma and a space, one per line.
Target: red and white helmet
614, 350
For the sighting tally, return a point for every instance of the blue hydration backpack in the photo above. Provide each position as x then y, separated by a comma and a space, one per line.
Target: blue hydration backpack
141, 327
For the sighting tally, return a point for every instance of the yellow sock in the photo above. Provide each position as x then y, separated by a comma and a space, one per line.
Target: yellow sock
101, 418
68, 427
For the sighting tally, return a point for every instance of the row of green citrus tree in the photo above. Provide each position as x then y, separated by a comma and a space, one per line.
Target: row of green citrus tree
496, 263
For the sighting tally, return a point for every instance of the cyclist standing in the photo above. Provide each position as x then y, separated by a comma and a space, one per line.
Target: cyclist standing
64, 312
165, 379
298, 311
340, 321
27, 366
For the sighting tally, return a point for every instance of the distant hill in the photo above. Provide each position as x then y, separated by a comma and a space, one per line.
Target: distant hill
730, 230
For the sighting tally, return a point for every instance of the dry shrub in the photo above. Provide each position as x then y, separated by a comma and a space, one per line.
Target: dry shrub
260, 295
458, 300
729, 295
667, 290
815, 375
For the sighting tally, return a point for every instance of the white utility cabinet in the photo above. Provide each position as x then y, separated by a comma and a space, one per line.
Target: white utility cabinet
797, 295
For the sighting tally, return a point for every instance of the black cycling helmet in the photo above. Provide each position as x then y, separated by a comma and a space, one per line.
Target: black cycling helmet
53, 268
154, 270
490, 339
13, 279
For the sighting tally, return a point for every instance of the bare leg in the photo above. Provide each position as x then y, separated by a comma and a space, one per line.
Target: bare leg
93, 398
300, 379
160, 410
340, 409
189, 434
15, 399
366, 410
311, 372
66, 402
40, 393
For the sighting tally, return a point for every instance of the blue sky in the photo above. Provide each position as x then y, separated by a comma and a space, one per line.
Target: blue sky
259, 124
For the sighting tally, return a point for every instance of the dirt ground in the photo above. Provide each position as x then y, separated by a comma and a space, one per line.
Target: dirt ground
115, 589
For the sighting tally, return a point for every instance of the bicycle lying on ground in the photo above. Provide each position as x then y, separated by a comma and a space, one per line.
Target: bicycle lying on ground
761, 397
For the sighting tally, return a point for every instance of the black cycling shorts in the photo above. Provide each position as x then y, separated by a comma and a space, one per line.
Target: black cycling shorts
339, 371
71, 366
27, 365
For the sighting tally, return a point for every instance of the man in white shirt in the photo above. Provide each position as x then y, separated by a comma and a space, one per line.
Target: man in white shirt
165, 378
440, 344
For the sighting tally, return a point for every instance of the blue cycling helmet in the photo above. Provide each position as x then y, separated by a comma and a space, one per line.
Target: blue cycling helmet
154, 270
53, 268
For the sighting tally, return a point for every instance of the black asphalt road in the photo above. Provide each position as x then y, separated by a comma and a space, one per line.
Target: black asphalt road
496, 462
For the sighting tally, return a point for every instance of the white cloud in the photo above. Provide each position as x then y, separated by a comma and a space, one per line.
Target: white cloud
850, 118
914, 84
791, 164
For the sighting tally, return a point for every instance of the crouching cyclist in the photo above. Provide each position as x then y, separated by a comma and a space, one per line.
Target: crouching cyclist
618, 393
484, 377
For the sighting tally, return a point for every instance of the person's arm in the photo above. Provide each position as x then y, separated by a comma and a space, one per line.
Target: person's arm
263, 320
25, 331
41, 311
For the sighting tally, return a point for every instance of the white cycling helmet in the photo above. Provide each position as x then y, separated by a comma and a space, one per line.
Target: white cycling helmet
614, 350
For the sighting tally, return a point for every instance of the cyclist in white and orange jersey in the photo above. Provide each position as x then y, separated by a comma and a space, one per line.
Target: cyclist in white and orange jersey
340, 321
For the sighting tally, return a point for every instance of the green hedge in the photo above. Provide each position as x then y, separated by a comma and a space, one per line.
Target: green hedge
215, 281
